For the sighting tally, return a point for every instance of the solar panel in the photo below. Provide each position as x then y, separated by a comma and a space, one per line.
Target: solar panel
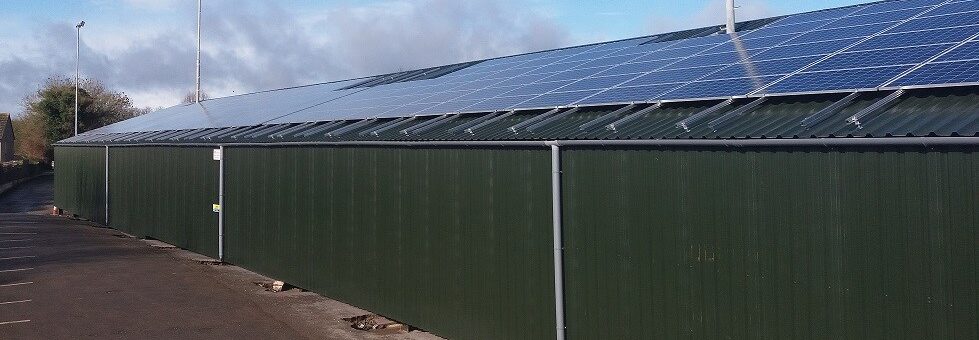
916, 42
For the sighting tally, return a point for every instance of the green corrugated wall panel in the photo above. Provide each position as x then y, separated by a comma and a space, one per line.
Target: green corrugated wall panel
79, 181
456, 241
771, 244
165, 193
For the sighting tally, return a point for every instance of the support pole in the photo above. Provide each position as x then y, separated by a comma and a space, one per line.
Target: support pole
221, 205
106, 185
197, 94
558, 241
730, 17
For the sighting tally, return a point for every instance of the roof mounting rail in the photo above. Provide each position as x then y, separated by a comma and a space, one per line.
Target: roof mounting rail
267, 130
218, 132
317, 129
301, 126
166, 134
875, 107
830, 110
533, 120
278, 127
551, 119
199, 134
350, 127
624, 120
736, 113
405, 120
473, 128
185, 133
475, 121
229, 132
434, 123
689, 121
606, 117
246, 131
383, 125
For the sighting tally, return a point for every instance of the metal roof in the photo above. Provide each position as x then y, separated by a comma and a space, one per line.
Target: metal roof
705, 91
945, 112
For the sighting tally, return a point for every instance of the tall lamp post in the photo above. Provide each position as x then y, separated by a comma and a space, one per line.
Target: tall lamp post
78, 48
197, 94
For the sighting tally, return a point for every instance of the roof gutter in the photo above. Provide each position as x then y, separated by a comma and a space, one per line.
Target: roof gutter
768, 142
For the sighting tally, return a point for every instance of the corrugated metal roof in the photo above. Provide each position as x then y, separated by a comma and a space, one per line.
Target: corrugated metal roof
947, 112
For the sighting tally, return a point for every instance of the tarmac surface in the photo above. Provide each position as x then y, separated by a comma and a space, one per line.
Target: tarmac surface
67, 279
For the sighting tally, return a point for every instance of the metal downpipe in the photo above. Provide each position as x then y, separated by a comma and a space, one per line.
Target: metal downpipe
221, 205
558, 241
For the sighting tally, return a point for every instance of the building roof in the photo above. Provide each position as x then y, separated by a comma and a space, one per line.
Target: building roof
889, 68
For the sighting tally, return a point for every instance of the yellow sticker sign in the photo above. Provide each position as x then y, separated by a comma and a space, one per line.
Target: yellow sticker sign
216, 207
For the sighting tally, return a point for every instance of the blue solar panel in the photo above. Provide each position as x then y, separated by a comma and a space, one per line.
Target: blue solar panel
632, 68
712, 59
672, 76
719, 88
557, 99
897, 5
957, 7
610, 60
498, 103
876, 18
939, 36
841, 33
942, 73
628, 94
968, 51
895, 56
815, 16
836, 80
756, 43
790, 29
761, 68
598, 82
577, 74
951, 20
817, 48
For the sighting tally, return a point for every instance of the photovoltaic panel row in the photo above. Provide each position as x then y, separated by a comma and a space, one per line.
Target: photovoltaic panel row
875, 61
847, 48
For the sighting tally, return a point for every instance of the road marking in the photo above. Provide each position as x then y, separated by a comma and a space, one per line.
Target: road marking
13, 322
13, 302
17, 257
15, 270
24, 240
18, 233
17, 284
9, 248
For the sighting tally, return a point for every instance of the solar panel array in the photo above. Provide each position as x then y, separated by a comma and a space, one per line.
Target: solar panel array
874, 46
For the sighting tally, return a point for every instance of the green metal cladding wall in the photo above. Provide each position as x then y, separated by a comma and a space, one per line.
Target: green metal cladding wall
774, 244
79, 181
457, 241
165, 193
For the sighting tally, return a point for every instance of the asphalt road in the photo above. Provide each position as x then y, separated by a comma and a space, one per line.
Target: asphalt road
68, 279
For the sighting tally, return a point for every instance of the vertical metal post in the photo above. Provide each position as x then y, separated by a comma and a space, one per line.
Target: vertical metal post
558, 240
78, 54
106, 185
730, 17
197, 94
221, 205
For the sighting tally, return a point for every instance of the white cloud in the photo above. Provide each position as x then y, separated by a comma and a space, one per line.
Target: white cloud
251, 46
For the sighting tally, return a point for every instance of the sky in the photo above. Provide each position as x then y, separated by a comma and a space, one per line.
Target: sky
146, 48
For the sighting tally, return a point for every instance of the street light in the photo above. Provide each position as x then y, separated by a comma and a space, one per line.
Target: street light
78, 48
